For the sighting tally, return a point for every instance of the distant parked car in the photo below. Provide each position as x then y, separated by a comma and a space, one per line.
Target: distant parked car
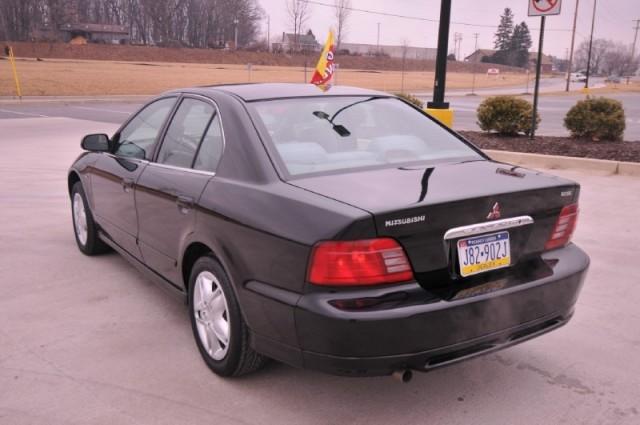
612, 79
346, 231
578, 77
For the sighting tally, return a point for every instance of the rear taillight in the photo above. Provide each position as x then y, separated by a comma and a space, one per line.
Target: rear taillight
563, 230
356, 263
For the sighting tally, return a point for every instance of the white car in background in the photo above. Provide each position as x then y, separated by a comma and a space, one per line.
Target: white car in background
578, 77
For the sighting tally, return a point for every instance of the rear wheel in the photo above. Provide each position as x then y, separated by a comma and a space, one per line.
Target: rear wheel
221, 335
84, 228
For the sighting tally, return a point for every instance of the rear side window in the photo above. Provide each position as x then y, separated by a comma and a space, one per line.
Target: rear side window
138, 137
211, 147
185, 133
328, 134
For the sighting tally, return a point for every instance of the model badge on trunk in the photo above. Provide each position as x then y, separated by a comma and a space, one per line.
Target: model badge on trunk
408, 220
495, 212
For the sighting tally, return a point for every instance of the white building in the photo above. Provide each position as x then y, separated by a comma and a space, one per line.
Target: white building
424, 53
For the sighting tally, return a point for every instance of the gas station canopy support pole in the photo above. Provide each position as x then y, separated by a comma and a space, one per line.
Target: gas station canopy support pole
438, 108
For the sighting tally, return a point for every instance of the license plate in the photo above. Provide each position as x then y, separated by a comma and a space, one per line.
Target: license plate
484, 253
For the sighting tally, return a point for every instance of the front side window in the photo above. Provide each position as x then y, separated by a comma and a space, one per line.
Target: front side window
185, 133
138, 137
323, 134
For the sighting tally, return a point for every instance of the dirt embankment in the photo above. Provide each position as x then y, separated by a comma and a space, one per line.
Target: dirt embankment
217, 56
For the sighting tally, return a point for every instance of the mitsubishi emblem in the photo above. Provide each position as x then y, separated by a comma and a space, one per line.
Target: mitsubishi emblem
495, 212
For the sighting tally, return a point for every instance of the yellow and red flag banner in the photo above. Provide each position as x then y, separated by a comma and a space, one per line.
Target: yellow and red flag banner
323, 75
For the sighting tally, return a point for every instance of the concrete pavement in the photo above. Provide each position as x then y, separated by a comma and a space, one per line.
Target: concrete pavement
90, 341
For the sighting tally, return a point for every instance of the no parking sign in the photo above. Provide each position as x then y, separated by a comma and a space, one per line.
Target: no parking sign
540, 8
544, 7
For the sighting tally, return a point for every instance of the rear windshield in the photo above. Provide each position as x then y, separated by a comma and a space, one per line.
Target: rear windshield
324, 134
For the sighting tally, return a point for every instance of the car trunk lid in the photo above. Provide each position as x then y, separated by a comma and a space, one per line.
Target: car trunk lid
418, 205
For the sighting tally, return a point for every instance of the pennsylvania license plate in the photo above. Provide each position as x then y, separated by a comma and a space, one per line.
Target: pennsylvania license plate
483, 253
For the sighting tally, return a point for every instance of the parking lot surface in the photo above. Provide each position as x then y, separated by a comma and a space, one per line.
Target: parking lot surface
90, 341
552, 109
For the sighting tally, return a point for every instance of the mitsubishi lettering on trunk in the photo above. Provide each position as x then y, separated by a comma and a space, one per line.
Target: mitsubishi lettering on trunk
345, 231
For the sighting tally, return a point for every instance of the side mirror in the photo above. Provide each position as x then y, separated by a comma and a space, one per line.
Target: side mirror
95, 143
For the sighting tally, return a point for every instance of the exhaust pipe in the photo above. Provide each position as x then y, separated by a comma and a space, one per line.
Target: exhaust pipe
402, 375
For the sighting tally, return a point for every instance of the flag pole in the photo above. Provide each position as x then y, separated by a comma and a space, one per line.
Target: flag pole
12, 60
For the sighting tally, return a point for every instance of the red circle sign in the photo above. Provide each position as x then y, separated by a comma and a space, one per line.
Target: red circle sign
544, 5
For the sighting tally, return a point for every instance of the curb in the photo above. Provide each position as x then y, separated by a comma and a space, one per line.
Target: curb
555, 162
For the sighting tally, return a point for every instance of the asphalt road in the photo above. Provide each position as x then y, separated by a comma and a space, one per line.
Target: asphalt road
552, 110
90, 341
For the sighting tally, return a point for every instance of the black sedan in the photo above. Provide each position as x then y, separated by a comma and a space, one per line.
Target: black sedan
346, 231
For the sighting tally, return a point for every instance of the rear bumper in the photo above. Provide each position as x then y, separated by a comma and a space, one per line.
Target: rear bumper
374, 331
438, 357
405, 326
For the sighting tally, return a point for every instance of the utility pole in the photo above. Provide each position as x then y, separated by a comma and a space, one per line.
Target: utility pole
473, 81
378, 43
593, 23
459, 46
438, 107
635, 39
573, 40
456, 38
633, 47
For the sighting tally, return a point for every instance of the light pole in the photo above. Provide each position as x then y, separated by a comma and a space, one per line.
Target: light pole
269, 33
438, 106
378, 43
235, 45
473, 82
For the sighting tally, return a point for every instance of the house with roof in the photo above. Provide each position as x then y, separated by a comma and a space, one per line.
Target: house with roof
70, 29
297, 43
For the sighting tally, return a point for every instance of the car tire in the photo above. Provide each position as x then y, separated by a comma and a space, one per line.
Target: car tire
218, 327
85, 229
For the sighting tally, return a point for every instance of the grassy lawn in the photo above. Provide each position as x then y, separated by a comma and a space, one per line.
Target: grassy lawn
58, 77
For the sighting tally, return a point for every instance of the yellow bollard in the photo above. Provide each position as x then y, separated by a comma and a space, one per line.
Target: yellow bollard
12, 60
445, 116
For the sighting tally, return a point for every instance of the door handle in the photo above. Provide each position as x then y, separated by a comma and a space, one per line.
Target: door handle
185, 203
127, 185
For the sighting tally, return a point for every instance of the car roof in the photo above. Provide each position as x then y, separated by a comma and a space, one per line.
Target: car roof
264, 91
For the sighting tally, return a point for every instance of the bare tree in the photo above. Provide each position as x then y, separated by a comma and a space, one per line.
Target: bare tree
195, 23
299, 13
343, 11
598, 52
618, 61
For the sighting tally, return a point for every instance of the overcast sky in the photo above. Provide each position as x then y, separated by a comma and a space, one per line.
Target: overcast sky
614, 20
